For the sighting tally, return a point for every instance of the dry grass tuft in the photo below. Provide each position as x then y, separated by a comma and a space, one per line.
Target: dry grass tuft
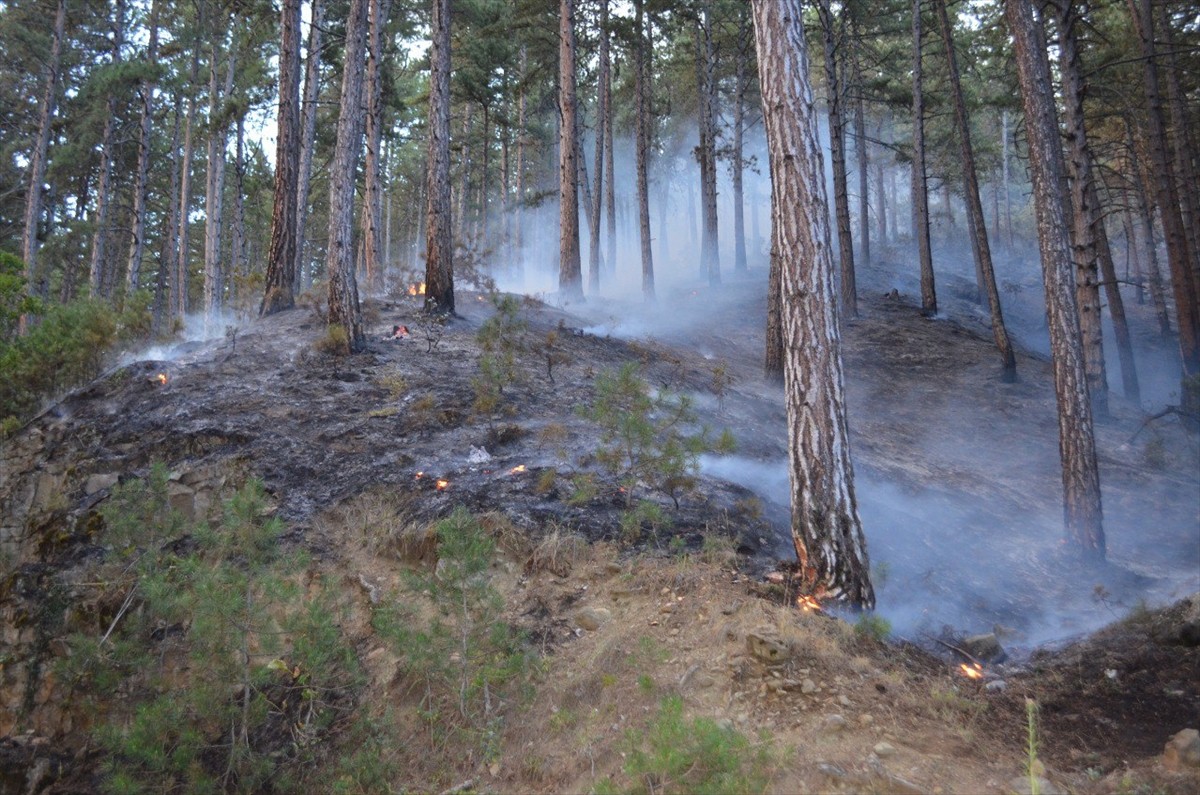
557, 553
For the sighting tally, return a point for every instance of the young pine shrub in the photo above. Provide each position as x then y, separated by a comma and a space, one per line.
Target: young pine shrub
649, 437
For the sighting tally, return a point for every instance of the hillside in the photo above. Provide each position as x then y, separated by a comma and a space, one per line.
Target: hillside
359, 456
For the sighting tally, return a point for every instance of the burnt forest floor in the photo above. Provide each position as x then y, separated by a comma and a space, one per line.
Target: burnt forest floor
958, 485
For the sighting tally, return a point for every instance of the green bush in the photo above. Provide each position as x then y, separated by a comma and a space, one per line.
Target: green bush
677, 755
64, 349
649, 437
65, 345
501, 338
466, 661
229, 674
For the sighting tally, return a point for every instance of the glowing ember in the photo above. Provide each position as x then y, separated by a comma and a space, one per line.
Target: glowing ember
972, 671
517, 469
419, 475
442, 485
416, 289
161, 378
808, 604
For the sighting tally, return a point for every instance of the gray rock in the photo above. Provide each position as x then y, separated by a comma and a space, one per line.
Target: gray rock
808, 687
996, 686
985, 647
770, 650
884, 750
1182, 751
99, 482
592, 618
833, 724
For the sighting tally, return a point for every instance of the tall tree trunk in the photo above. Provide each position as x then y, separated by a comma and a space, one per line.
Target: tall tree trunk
279, 292
237, 236
146, 88
1183, 275
218, 137
462, 228
100, 270
741, 80
570, 278
881, 224
975, 219
1141, 192
837, 153
1116, 305
860, 153
522, 106
826, 528
439, 246
602, 112
1184, 149
301, 277
1083, 239
1082, 513
185, 186
344, 309
39, 156
163, 309
641, 88
710, 259
1087, 223
610, 165
920, 180
1004, 141
372, 209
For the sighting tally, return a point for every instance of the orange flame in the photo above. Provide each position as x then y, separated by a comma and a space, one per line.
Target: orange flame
442, 485
808, 603
517, 469
416, 289
972, 671
161, 378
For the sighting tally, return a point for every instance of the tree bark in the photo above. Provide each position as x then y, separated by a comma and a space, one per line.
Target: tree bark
920, 183
344, 309
1090, 237
837, 153
167, 254
610, 165
146, 87
602, 111
39, 156
281, 260
570, 277
1083, 238
860, 154
741, 80
710, 258
301, 278
185, 187
1183, 275
218, 137
237, 236
773, 366
1184, 149
100, 276
1141, 192
439, 246
1083, 517
372, 210
826, 528
522, 107
975, 218
641, 88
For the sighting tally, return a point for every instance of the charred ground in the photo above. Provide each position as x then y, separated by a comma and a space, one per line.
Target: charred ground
957, 483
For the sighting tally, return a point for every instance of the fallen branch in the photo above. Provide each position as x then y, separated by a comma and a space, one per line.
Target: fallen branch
1183, 415
970, 657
